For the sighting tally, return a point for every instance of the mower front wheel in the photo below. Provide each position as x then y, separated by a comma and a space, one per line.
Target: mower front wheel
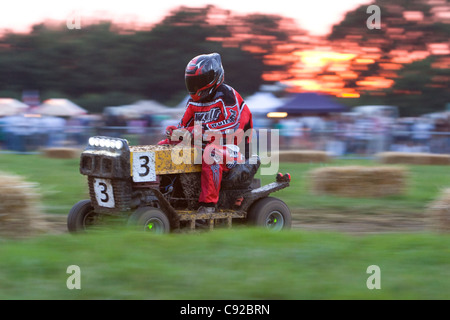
82, 216
270, 213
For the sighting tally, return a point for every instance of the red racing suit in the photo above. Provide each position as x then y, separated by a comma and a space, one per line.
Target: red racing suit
225, 113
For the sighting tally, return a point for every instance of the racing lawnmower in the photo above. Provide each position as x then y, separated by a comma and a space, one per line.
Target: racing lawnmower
157, 187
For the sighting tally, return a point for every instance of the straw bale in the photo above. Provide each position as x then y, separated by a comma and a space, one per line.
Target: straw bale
413, 158
359, 181
438, 213
62, 153
20, 207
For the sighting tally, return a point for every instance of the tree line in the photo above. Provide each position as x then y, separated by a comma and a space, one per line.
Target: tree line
103, 64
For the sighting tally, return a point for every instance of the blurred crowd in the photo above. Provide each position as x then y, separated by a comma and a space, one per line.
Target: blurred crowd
339, 134
359, 134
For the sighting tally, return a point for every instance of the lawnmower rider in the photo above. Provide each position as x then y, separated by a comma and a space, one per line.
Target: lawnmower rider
220, 109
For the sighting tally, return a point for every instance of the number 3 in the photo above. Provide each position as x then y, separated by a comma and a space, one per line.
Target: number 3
145, 166
104, 191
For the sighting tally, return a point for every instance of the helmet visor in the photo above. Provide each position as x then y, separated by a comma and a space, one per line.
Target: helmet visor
195, 83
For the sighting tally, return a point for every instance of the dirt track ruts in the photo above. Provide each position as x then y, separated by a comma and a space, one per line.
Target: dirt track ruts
351, 222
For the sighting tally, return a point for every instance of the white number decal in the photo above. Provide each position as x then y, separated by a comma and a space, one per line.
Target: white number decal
144, 166
104, 193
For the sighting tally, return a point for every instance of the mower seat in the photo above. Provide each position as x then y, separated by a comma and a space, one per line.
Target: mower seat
241, 175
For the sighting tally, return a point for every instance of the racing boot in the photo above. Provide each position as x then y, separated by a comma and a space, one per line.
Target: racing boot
206, 210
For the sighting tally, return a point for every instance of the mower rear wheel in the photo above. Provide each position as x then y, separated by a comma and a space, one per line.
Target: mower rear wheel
150, 219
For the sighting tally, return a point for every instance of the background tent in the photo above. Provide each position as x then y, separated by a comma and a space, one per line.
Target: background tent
143, 108
59, 108
310, 103
9, 107
377, 110
148, 107
263, 102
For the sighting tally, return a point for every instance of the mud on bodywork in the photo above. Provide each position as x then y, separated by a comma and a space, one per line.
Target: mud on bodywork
122, 179
108, 171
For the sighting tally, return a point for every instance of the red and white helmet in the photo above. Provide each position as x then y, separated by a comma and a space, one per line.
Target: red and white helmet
203, 75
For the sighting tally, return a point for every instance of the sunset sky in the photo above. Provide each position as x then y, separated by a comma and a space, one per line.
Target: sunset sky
319, 64
315, 16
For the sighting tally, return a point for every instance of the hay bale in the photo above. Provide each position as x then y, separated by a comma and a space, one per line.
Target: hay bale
300, 156
359, 181
438, 213
413, 158
20, 208
62, 153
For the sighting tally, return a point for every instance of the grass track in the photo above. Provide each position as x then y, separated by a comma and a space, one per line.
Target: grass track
226, 264
62, 185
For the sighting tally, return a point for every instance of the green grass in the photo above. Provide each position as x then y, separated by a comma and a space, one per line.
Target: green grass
425, 183
226, 264
62, 185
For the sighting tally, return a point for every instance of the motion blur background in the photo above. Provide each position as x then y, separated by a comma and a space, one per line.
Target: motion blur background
312, 69
71, 71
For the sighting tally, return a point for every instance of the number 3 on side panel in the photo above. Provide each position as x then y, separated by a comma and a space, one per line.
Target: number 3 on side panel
104, 193
143, 166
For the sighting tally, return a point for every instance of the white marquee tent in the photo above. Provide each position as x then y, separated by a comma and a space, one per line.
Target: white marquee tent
144, 107
59, 108
263, 102
10, 107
